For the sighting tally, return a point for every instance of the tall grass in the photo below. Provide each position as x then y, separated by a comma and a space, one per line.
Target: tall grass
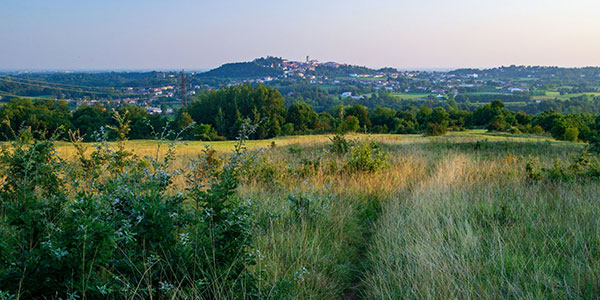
452, 217
470, 231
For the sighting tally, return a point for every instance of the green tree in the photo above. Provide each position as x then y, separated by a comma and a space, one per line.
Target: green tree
302, 116
361, 113
350, 124
571, 134
225, 109
89, 119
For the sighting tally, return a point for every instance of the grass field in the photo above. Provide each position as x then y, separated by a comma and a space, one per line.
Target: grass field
550, 95
411, 96
192, 148
450, 217
444, 221
488, 93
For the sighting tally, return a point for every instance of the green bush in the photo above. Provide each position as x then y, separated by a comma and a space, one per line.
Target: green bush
339, 144
537, 129
262, 171
365, 157
435, 129
106, 225
514, 130
595, 144
584, 166
571, 134
349, 124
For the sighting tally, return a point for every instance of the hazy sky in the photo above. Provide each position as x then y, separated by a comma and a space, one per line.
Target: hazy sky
174, 34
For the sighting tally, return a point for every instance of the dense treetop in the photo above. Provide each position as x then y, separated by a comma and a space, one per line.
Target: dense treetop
219, 114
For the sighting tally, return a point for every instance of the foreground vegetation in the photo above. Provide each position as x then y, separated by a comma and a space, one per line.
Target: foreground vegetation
466, 215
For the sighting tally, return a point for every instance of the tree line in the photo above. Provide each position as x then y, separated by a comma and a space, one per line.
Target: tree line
219, 115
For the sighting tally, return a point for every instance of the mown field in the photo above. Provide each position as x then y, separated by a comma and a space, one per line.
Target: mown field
408, 217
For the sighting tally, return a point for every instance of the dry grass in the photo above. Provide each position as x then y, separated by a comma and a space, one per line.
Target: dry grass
449, 218
476, 229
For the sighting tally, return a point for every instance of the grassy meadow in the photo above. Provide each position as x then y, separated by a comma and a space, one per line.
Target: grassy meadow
551, 95
451, 217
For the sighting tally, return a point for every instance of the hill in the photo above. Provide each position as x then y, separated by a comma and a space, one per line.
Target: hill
277, 67
260, 67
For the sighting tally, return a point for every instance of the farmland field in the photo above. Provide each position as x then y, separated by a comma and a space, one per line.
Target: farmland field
411, 96
405, 216
550, 95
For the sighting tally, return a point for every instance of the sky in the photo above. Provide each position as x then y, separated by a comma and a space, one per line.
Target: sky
203, 34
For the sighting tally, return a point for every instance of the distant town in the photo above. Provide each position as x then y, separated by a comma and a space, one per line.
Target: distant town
165, 92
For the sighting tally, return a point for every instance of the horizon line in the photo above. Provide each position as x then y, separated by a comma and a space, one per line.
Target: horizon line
202, 70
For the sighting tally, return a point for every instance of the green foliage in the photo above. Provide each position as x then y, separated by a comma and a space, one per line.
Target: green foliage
481, 145
287, 129
220, 230
260, 67
571, 134
537, 129
595, 144
305, 208
226, 109
301, 116
106, 226
435, 121
585, 166
350, 124
361, 113
89, 119
260, 170
294, 150
219, 114
6, 296
339, 144
435, 129
43, 118
365, 157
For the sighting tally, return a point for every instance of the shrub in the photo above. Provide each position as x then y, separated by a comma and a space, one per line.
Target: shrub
584, 166
537, 129
307, 167
595, 144
339, 144
435, 129
30, 201
306, 207
294, 150
571, 134
365, 157
111, 229
262, 171
481, 145
514, 130
287, 129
